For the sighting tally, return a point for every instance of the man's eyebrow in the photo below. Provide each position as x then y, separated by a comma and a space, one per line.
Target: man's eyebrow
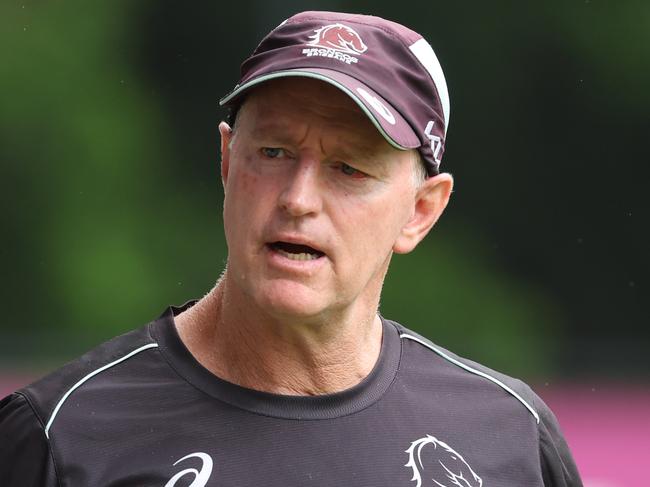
359, 149
365, 152
279, 131
350, 149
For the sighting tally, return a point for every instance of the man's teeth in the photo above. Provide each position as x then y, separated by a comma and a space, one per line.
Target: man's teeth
300, 256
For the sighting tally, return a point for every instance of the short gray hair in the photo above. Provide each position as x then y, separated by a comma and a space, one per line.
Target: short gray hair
420, 173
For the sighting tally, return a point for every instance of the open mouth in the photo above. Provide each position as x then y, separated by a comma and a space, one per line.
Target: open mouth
296, 251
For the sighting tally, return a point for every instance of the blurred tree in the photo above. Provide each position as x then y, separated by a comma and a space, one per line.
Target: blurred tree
108, 144
96, 222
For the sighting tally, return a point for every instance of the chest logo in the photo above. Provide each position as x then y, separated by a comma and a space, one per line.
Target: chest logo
201, 475
436, 464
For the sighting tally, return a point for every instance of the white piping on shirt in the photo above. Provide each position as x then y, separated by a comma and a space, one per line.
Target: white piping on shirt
89, 376
474, 371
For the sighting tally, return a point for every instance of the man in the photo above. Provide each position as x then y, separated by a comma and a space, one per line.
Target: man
284, 373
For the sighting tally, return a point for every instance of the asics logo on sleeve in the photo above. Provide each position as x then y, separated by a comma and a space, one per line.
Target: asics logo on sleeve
201, 476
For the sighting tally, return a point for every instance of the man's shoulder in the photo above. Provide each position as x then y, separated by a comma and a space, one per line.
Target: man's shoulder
47, 394
478, 398
460, 373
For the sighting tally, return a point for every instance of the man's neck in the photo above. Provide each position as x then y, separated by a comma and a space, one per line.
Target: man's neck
256, 351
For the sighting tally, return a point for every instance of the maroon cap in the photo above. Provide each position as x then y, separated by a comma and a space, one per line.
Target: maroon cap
390, 71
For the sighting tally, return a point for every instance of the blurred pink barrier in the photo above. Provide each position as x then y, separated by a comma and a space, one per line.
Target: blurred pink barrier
608, 429
9, 382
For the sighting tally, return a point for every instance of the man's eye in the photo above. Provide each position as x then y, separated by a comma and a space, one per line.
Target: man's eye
352, 172
272, 152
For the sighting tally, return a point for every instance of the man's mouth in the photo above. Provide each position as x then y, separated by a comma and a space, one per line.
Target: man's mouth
294, 251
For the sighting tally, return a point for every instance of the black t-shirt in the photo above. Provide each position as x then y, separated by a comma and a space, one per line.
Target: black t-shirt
139, 410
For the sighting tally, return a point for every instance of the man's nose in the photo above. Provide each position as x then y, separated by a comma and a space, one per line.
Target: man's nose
301, 194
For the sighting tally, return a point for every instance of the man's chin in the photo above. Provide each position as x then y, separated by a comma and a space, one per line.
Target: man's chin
293, 302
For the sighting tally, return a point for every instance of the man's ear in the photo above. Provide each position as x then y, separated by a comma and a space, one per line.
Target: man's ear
430, 201
226, 137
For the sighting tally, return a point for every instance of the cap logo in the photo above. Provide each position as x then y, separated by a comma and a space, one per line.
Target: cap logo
336, 41
436, 141
379, 107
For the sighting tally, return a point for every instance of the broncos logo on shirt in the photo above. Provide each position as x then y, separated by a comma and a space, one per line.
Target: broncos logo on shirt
338, 37
434, 460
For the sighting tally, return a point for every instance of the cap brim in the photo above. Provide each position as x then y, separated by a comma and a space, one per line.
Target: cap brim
388, 121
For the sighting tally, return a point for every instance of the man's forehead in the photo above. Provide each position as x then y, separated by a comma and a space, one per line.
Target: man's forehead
287, 94
279, 105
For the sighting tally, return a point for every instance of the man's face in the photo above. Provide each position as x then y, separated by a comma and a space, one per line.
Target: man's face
315, 201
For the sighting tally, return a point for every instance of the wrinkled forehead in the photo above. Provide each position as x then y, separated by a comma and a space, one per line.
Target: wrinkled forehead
285, 104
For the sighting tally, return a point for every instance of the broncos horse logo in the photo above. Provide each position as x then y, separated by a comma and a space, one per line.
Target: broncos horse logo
435, 460
338, 37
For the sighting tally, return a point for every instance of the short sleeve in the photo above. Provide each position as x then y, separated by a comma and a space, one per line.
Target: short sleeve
25, 457
558, 467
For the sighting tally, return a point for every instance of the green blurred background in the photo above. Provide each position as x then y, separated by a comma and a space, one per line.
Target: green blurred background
111, 193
